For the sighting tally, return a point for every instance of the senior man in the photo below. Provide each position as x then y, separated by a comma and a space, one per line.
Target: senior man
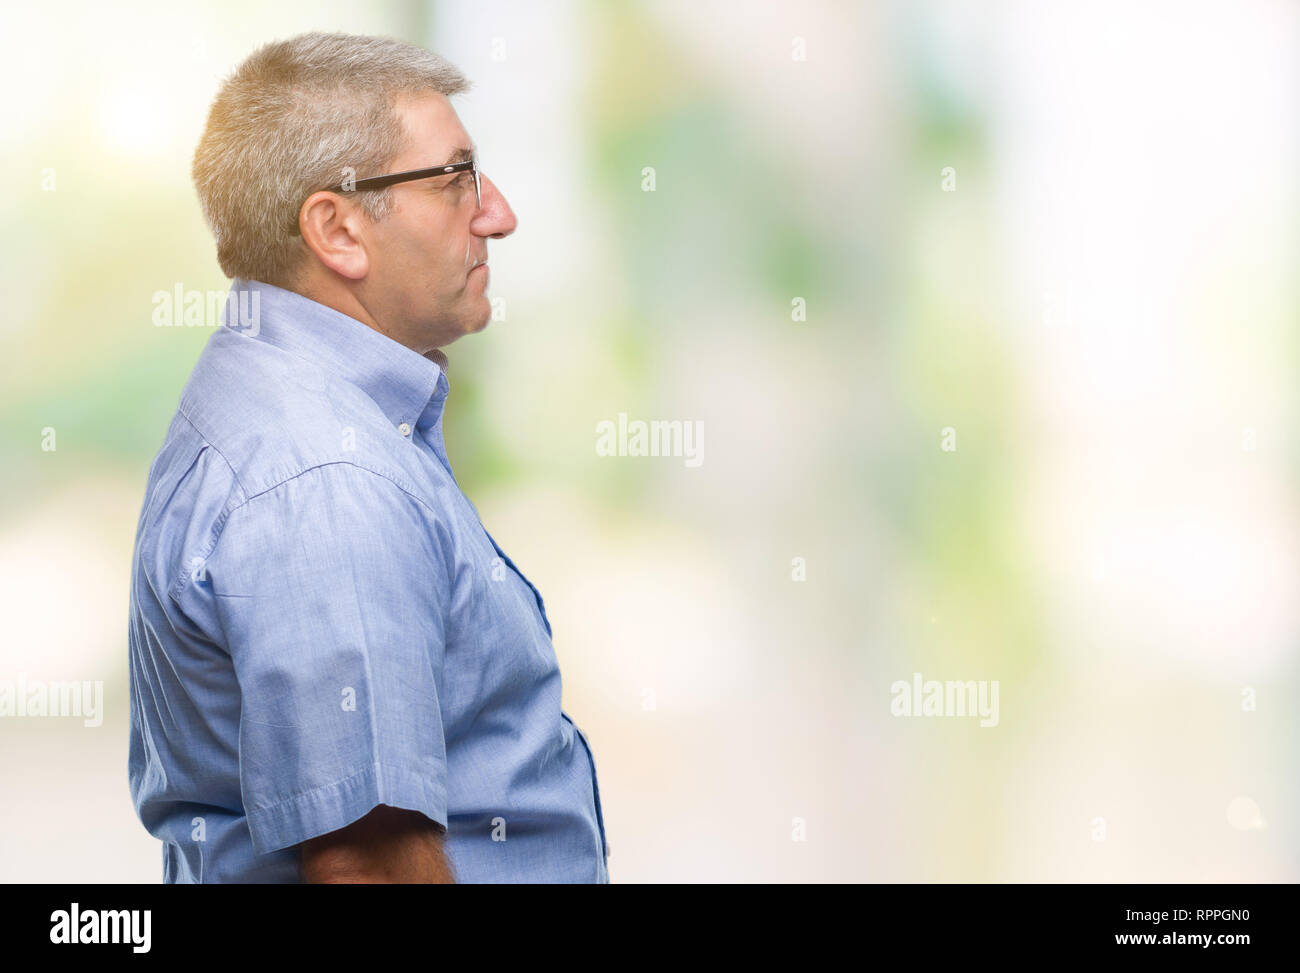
337, 675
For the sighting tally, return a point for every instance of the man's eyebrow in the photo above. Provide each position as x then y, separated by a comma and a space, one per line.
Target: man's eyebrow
459, 155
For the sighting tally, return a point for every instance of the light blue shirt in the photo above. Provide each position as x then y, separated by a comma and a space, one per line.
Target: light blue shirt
321, 624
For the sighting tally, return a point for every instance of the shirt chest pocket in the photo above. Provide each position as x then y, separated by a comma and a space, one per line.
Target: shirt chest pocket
504, 567
508, 613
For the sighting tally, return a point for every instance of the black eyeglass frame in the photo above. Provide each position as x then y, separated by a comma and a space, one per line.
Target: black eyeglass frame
383, 182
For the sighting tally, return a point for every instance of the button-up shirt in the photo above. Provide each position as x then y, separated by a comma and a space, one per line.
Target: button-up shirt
320, 623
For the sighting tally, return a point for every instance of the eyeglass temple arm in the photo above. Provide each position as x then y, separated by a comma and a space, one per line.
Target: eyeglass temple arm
380, 182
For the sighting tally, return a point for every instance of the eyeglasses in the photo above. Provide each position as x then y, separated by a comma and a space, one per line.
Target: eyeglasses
382, 182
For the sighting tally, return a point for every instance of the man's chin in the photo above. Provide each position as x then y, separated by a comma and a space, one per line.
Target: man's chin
484, 319
469, 324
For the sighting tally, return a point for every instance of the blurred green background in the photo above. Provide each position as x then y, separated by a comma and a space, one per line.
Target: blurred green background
1063, 233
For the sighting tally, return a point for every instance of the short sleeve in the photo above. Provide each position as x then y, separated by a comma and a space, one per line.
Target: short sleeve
332, 592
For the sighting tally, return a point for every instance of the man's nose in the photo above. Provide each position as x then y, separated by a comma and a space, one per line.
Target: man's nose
496, 218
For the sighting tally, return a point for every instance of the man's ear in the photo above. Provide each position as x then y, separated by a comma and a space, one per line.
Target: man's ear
335, 230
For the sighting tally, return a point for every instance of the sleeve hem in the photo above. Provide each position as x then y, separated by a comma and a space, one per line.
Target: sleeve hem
335, 806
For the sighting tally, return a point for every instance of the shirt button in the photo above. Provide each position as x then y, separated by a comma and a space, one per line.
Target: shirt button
404, 429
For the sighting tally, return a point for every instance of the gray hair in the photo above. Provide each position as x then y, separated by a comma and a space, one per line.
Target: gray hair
287, 122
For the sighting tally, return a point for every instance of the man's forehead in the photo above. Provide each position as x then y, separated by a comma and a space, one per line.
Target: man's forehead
434, 132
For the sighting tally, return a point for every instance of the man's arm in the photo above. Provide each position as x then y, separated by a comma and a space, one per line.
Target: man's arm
332, 593
388, 845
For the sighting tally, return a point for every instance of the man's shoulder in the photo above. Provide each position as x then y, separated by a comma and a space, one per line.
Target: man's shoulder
272, 416
255, 424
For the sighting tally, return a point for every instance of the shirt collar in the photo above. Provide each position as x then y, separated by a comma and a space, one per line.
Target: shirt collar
408, 387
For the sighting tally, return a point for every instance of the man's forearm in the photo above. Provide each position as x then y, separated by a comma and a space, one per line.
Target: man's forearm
389, 846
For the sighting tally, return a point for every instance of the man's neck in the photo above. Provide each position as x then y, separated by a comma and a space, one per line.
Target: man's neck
345, 302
